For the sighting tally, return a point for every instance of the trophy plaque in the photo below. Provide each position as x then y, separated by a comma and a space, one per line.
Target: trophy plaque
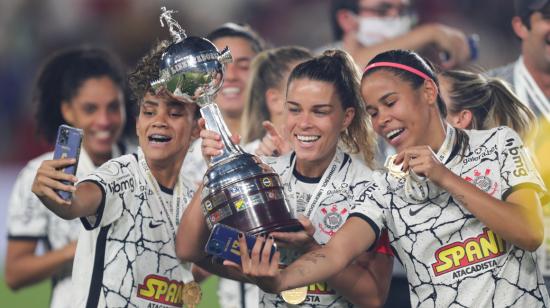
240, 190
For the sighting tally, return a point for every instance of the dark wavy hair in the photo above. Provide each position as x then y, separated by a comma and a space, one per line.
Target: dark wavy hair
60, 79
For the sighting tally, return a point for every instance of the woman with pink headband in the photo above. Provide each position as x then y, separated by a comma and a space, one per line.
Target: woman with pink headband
462, 207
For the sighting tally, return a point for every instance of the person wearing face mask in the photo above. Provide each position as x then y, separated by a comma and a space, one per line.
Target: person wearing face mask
365, 28
82, 87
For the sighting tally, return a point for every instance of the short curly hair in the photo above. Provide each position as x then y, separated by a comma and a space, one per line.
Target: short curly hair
147, 70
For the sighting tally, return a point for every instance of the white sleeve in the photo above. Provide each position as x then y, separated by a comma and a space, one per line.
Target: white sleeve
369, 206
517, 168
27, 216
117, 183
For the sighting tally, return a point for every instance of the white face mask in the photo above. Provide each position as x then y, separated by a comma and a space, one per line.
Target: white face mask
374, 30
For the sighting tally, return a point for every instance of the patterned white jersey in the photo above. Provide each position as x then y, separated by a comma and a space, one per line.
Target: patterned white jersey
451, 258
327, 203
127, 257
29, 219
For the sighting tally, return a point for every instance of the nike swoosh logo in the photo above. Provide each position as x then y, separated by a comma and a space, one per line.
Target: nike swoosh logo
413, 213
154, 225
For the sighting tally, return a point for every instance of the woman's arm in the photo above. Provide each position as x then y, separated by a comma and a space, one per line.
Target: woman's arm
366, 281
86, 199
24, 267
314, 266
518, 219
192, 232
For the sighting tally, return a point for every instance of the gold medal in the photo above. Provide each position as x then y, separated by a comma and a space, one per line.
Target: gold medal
191, 294
393, 169
295, 296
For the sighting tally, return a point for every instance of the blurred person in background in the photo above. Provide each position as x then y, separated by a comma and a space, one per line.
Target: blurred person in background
365, 28
83, 87
529, 76
263, 114
530, 73
477, 102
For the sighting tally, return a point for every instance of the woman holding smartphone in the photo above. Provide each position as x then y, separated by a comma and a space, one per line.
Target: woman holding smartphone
82, 87
462, 207
325, 116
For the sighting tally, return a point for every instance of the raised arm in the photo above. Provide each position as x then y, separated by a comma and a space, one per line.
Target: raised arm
445, 38
86, 199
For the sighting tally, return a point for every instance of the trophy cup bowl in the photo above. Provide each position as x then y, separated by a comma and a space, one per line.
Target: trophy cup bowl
240, 190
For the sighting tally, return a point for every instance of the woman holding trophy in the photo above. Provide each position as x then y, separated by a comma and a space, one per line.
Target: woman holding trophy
327, 121
464, 222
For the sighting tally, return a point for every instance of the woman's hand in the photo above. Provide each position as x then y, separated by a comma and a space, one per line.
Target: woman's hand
302, 240
273, 143
212, 142
48, 179
257, 266
422, 161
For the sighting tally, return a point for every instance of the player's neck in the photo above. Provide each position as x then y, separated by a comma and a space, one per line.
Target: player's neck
166, 173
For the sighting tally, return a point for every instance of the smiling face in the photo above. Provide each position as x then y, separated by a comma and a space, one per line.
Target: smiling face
230, 98
315, 119
403, 116
98, 109
164, 128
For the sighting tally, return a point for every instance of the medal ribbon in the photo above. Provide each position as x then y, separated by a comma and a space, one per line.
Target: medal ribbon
171, 216
322, 187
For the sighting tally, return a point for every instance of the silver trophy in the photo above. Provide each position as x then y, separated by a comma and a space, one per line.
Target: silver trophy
239, 189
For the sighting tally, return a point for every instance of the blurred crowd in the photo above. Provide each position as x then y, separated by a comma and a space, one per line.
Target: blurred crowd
31, 30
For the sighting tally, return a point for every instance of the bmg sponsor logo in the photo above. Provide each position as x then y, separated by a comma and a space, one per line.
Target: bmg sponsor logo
469, 256
519, 161
121, 185
162, 290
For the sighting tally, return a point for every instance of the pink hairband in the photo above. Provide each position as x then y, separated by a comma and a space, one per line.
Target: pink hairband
400, 66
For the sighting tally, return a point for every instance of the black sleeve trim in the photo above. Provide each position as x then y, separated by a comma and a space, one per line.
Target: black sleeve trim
373, 225
97, 273
26, 238
100, 209
529, 185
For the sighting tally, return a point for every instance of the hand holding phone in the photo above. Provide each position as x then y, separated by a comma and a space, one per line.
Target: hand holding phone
67, 145
223, 243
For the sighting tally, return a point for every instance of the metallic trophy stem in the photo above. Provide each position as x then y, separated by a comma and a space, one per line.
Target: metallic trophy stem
214, 122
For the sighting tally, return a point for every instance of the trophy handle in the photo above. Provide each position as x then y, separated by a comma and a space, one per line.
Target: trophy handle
214, 122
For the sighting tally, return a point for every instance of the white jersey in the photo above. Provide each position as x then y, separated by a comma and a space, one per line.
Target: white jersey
451, 258
127, 256
29, 219
327, 203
